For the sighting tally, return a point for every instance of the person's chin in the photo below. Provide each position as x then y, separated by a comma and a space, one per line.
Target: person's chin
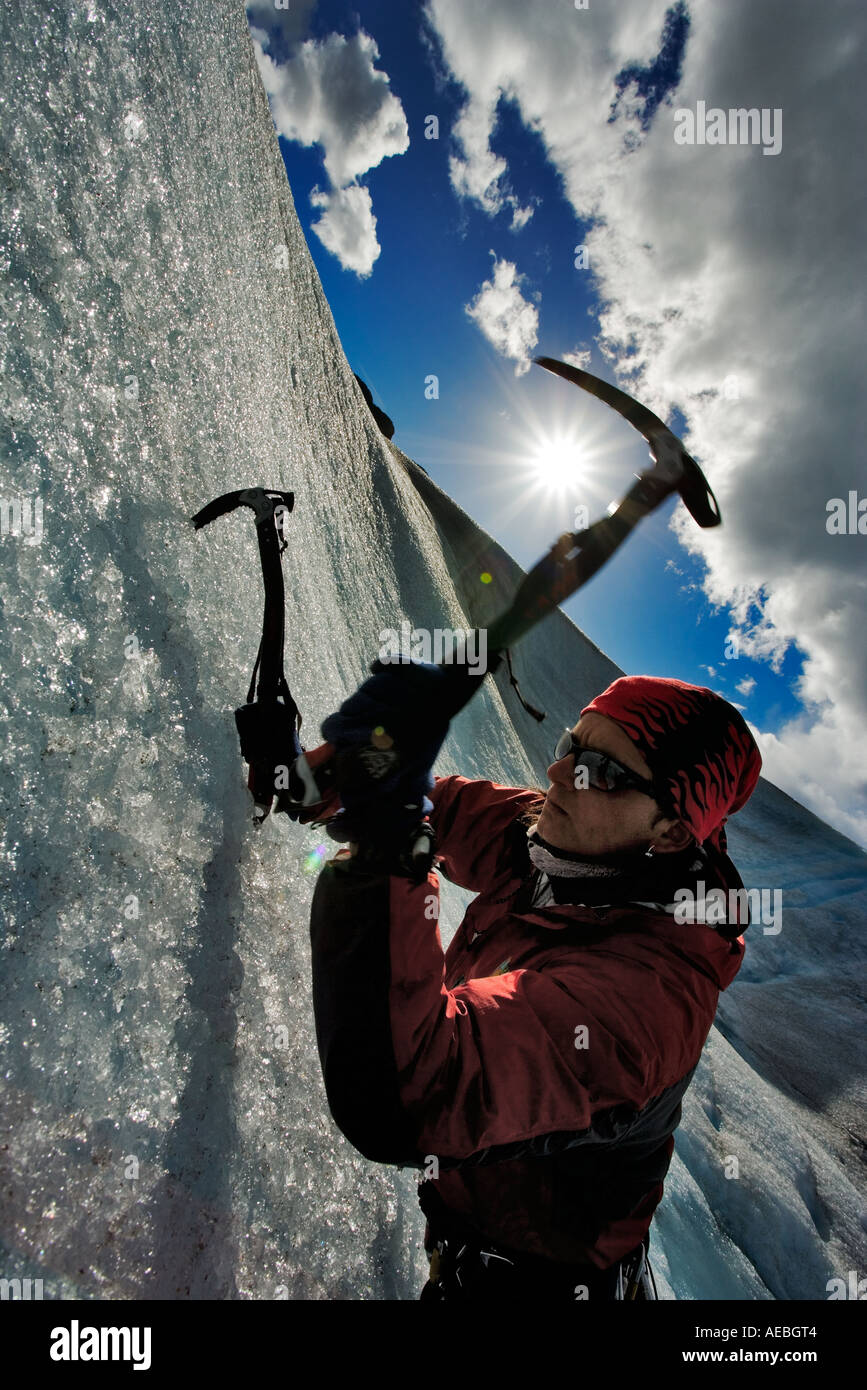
553, 825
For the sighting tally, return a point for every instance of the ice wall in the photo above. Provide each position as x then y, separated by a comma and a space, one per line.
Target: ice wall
166, 338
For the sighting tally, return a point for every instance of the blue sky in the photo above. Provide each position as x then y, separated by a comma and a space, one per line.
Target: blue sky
517, 180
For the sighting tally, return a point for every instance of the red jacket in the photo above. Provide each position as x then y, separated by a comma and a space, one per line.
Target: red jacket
538, 1065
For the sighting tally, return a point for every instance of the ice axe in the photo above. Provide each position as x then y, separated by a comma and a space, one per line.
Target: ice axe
576, 556
269, 722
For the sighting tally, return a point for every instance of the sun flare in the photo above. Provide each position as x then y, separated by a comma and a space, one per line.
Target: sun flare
558, 463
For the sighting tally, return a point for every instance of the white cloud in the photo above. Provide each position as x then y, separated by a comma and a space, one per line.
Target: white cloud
347, 227
580, 358
507, 319
805, 760
479, 174
520, 216
746, 686
725, 285
330, 94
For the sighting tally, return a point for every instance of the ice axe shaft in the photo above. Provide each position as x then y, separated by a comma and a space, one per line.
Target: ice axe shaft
572, 560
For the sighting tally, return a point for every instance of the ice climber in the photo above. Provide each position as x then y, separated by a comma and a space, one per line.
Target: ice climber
533, 1072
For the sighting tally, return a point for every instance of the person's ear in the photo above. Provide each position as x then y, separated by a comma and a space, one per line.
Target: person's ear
670, 836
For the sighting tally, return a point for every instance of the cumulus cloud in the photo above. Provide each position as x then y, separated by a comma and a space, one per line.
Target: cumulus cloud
329, 93
477, 173
746, 686
347, 227
725, 287
507, 319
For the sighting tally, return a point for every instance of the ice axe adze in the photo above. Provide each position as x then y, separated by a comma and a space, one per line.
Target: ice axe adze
576, 556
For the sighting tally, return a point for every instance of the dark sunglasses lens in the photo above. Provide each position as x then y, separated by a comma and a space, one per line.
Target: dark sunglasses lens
564, 746
600, 770
612, 775
604, 772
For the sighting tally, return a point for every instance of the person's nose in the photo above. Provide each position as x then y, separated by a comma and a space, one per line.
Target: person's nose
562, 772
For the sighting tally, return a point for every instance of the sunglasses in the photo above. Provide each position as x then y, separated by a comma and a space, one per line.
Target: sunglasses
603, 771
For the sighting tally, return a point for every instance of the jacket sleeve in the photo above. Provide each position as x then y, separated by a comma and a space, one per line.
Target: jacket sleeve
471, 819
495, 1066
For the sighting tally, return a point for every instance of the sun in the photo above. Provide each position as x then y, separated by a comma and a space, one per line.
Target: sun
558, 463
547, 467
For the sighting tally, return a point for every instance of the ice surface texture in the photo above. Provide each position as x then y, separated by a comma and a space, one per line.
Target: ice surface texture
166, 339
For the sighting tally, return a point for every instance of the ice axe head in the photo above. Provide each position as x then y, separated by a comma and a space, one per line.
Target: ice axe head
679, 470
675, 470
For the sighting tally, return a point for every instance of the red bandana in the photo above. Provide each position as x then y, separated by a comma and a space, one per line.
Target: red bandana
696, 744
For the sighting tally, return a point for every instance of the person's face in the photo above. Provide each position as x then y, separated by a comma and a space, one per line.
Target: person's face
587, 820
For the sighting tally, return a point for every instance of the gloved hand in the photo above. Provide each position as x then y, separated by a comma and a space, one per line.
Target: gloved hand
387, 736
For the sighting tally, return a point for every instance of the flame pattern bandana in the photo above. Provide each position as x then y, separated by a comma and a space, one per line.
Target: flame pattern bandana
701, 753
